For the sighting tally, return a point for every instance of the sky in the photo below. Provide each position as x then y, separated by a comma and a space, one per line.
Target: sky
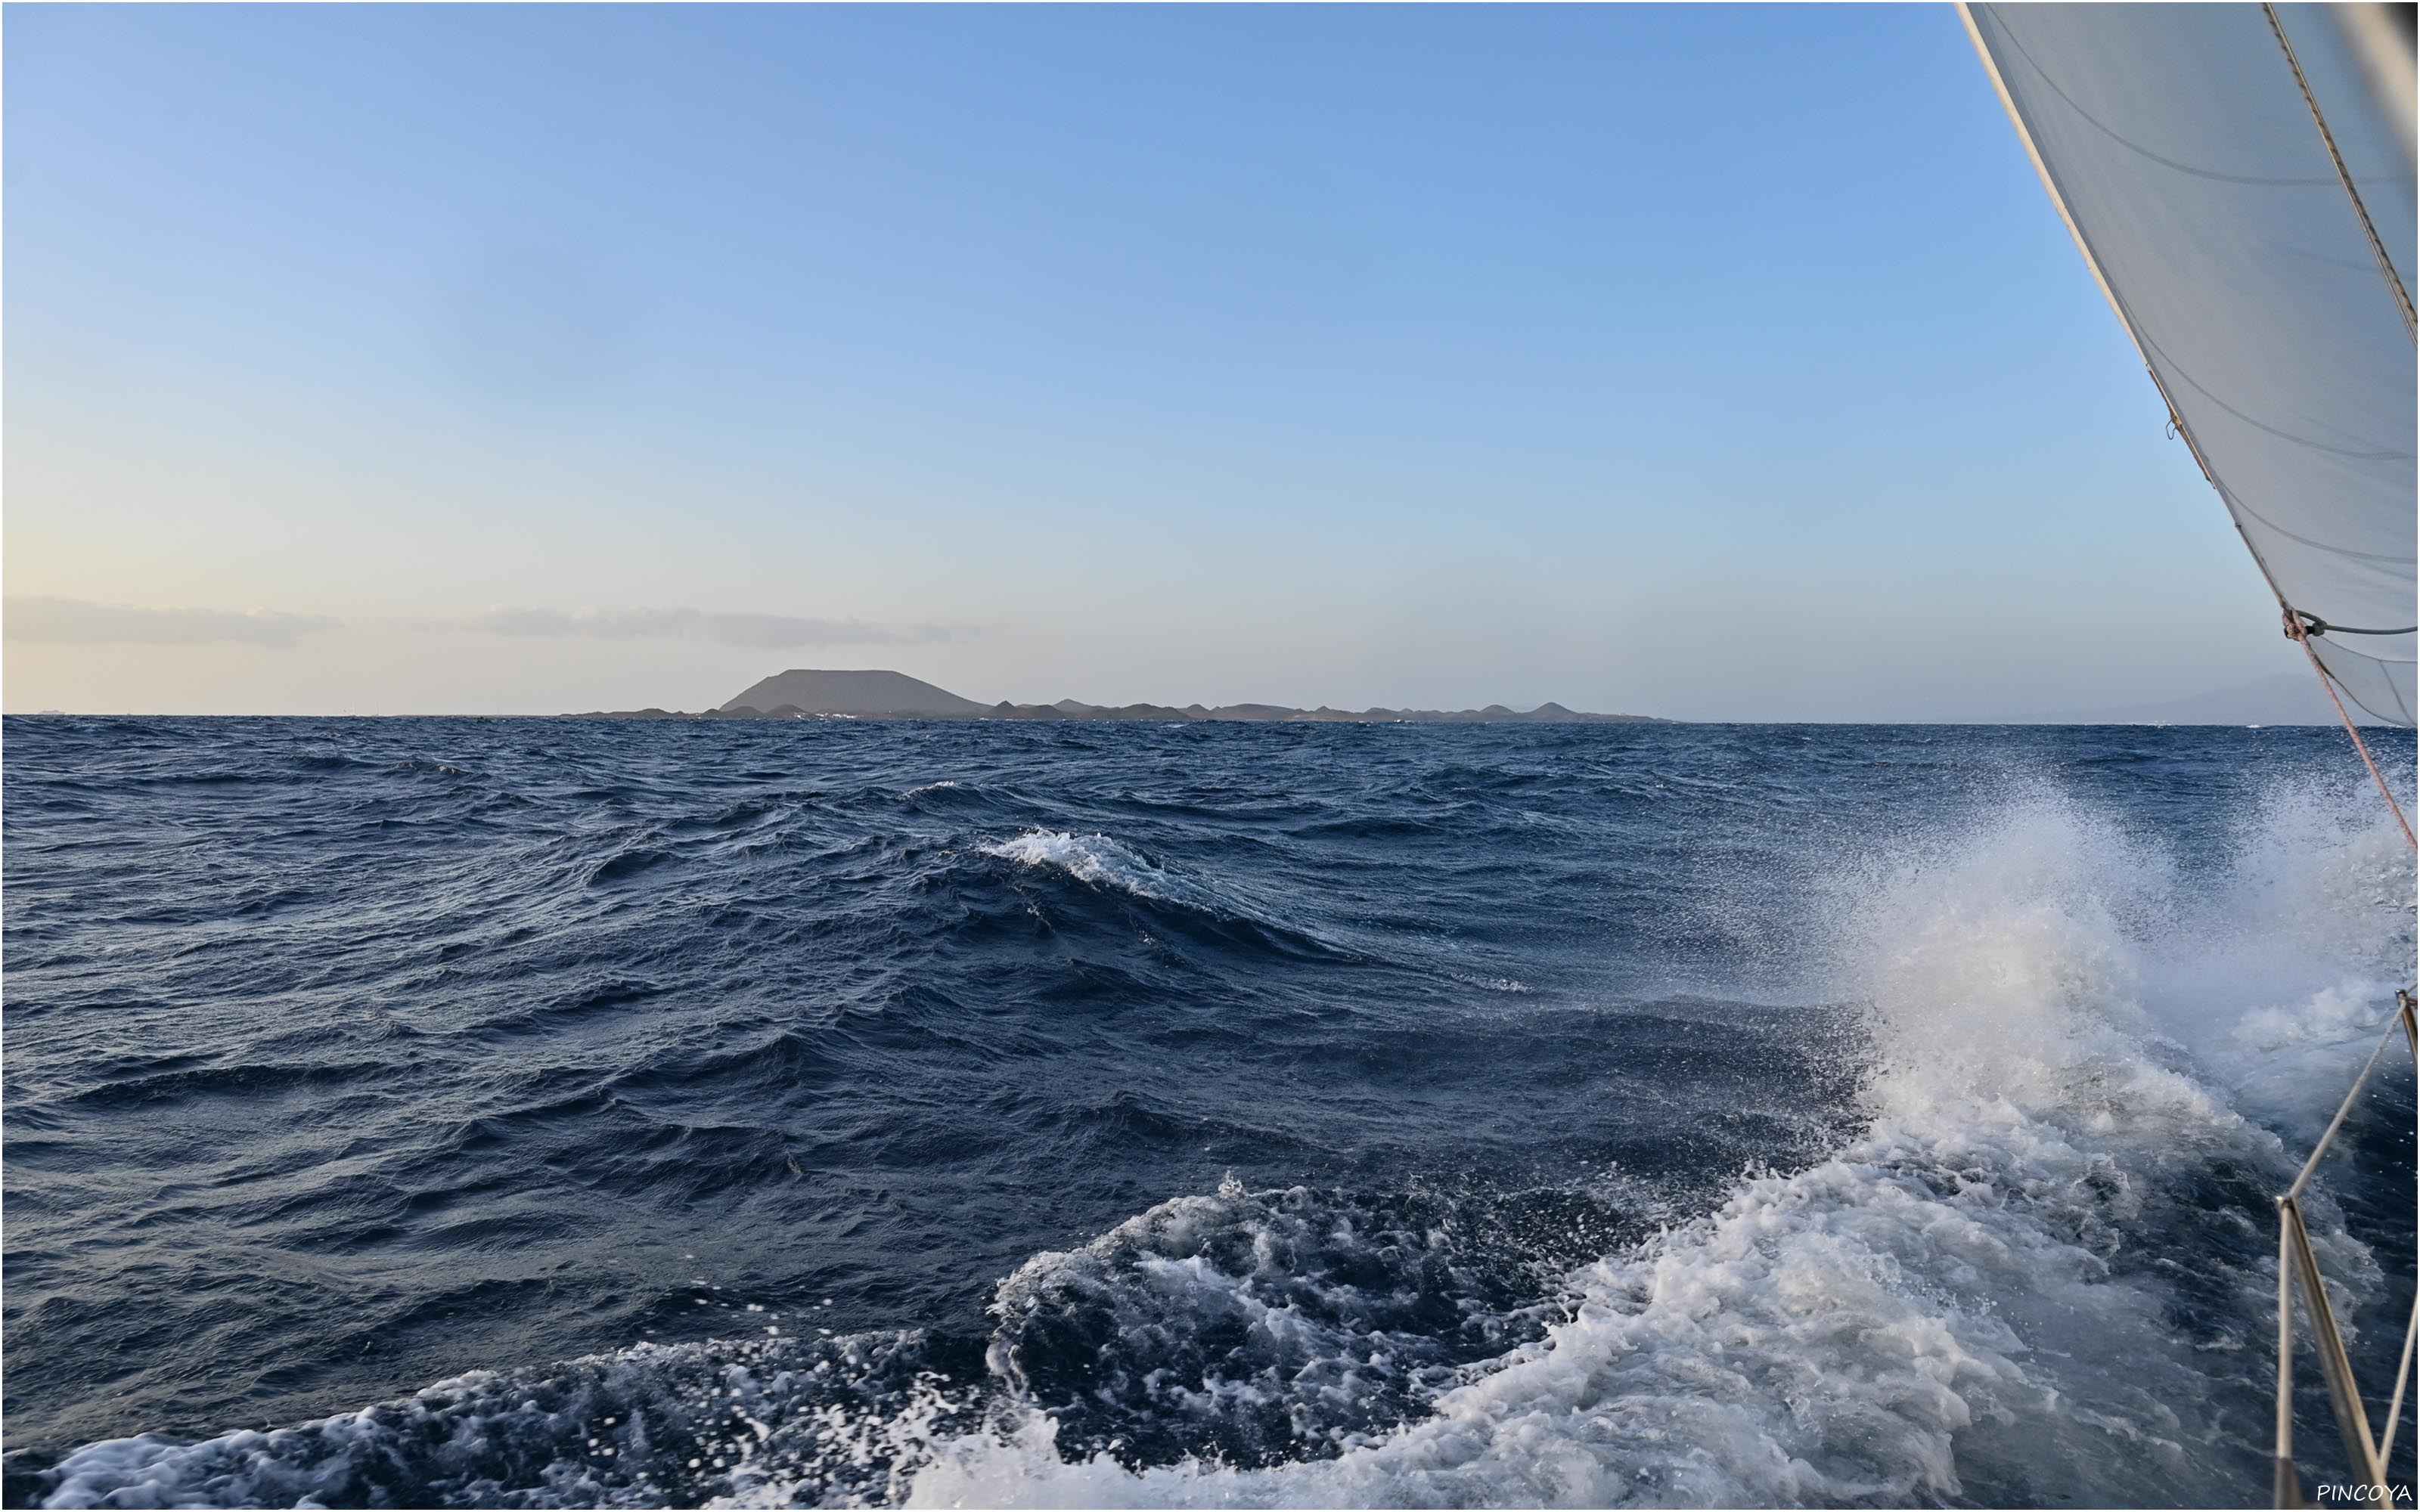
1720, 362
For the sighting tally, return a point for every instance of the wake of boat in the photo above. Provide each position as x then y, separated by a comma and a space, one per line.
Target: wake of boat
2040, 1272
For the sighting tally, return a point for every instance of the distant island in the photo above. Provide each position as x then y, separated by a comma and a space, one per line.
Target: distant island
807, 694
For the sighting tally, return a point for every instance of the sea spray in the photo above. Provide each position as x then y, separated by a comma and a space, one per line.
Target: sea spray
2031, 1280
1892, 1118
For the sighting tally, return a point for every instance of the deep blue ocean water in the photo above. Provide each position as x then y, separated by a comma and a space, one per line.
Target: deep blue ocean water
503, 1112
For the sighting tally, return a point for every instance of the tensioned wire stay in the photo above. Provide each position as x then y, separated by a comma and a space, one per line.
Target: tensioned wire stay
2368, 1454
2237, 246
2301, 633
2300, 627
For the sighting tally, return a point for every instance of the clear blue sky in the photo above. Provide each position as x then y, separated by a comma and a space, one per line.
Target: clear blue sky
1719, 361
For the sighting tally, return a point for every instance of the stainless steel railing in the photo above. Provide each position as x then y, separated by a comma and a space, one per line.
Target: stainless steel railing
2368, 1454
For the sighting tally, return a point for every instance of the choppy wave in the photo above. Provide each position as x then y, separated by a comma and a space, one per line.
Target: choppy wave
2015, 1252
2037, 1277
1101, 861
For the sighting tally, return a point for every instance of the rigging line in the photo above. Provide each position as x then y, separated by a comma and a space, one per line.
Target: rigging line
2294, 632
2289, 1483
2294, 1257
2320, 626
2320, 259
2408, 1008
2344, 1110
2114, 135
2402, 1378
2344, 174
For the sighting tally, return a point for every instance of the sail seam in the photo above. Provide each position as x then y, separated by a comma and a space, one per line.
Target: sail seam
2343, 176
2236, 503
1967, 13
2111, 133
2264, 426
1974, 15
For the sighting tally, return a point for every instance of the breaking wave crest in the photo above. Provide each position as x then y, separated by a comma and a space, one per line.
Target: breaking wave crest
1102, 862
1106, 864
2038, 1275
2038, 1271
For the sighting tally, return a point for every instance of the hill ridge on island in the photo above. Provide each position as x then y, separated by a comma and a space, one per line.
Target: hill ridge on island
810, 693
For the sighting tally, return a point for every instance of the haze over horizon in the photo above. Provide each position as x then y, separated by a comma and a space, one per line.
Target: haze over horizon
1710, 362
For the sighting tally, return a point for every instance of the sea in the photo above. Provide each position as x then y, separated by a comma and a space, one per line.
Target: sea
433, 1112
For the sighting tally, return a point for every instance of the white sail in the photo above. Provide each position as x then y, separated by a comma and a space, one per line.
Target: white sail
2257, 241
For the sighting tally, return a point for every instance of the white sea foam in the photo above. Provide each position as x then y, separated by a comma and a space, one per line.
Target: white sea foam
1982, 1295
1105, 862
1494, 984
2035, 1277
750, 1421
1099, 860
